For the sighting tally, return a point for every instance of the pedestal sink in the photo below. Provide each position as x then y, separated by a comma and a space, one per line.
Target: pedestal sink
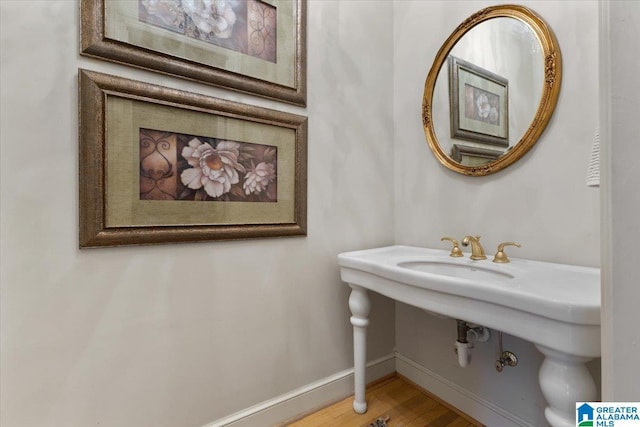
555, 306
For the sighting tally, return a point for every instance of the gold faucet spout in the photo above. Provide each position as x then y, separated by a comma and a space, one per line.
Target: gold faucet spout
477, 251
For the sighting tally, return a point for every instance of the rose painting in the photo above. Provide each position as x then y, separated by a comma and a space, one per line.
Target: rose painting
245, 26
175, 166
481, 105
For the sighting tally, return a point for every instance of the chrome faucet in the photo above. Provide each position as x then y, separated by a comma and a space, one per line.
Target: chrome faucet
477, 251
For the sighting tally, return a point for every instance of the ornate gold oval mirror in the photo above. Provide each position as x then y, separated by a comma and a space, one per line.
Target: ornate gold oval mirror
499, 74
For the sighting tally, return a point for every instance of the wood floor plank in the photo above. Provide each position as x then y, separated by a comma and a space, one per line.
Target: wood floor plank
460, 422
445, 419
406, 405
428, 417
409, 410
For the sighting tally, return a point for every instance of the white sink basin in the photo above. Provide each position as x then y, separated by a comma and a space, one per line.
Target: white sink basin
451, 269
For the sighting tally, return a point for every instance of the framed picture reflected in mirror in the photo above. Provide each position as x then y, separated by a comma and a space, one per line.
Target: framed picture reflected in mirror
474, 156
479, 103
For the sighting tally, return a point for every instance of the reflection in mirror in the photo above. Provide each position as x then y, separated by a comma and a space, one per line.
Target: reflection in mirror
491, 90
470, 155
478, 103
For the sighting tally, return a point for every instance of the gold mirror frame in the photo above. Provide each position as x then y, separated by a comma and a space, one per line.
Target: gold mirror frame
548, 100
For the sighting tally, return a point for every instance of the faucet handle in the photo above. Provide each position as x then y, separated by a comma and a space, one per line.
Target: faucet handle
455, 251
501, 257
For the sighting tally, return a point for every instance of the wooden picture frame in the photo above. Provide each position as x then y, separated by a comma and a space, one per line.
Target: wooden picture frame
162, 36
160, 165
474, 156
479, 104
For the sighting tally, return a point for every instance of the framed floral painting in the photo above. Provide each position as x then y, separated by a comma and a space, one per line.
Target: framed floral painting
159, 165
252, 46
479, 103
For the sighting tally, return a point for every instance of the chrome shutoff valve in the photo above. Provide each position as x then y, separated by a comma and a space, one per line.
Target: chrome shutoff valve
506, 359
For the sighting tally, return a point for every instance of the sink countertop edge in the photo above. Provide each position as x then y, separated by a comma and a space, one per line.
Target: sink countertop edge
577, 312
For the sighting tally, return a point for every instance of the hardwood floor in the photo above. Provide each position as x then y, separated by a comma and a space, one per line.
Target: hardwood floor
395, 397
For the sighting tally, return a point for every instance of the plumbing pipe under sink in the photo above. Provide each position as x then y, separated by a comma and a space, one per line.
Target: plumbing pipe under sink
466, 335
463, 349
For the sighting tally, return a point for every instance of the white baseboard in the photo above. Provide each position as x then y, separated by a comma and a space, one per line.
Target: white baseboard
330, 389
460, 398
306, 398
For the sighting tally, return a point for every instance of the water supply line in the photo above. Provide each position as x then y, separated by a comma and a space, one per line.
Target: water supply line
506, 358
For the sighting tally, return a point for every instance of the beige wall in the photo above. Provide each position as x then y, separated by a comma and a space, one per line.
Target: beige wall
181, 335
541, 201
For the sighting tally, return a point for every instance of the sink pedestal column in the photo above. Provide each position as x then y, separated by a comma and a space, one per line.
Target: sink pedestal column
564, 380
360, 306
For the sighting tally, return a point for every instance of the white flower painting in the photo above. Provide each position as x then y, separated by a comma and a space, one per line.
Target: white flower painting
245, 26
258, 179
186, 167
482, 105
213, 169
